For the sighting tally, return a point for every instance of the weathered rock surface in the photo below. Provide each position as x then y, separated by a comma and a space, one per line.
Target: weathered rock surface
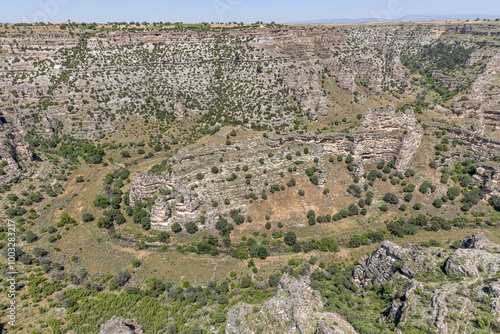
145, 185
387, 119
295, 309
378, 267
477, 256
477, 263
119, 325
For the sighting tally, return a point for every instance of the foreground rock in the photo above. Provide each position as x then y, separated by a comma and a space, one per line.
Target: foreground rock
477, 257
119, 325
449, 297
295, 309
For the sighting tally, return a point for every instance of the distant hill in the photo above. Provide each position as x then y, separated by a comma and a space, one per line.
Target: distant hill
408, 18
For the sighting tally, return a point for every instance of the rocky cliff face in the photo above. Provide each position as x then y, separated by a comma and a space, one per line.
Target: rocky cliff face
14, 149
387, 119
86, 86
106, 73
145, 185
385, 135
296, 308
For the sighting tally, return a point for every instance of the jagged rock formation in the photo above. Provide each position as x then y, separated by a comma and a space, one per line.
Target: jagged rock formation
295, 309
482, 102
118, 325
13, 148
477, 263
179, 109
124, 64
387, 119
145, 185
378, 267
308, 91
477, 255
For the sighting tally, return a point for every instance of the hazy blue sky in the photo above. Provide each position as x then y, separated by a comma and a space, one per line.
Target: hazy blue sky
230, 10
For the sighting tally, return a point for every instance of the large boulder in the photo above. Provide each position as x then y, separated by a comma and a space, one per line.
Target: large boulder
120, 325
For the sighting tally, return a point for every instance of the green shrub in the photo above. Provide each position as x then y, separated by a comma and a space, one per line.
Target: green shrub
191, 227
176, 227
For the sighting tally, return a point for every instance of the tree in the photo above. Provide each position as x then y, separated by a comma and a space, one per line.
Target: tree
453, 193
353, 209
427, 186
191, 227
146, 222
87, 217
246, 282
223, 226
391, 198
355, 242
262, 252
471, 198
354, 190
125, 154
30, 236
39, 252
409, 173
438, 203
495, 202
239, 219
311, 216
104, 222
101, 201
121, 278
65, 220
163, 236
290, 238
274, 280
176, 227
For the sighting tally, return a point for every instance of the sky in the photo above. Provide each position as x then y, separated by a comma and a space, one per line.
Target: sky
248, 11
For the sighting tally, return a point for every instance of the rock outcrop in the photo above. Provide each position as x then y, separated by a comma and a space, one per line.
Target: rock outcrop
387, 119
295, 309
145, 185
119, 325
476, 263
477, 256
378, 267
